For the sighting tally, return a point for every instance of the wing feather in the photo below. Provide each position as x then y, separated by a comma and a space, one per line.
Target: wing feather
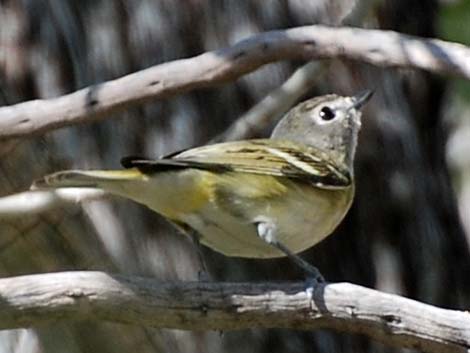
271, 157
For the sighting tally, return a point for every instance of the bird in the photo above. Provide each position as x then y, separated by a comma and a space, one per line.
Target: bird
258, 198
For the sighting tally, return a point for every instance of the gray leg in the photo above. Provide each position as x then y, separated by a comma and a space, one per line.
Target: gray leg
266, 231
203, 274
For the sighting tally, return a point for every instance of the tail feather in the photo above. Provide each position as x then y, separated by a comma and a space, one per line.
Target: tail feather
82, 178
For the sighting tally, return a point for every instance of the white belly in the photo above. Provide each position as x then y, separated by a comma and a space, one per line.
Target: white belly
306, 218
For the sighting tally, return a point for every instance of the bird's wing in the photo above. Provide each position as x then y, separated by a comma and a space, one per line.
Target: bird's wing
264, 156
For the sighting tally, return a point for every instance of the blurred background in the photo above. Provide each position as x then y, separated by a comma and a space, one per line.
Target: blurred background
407, 232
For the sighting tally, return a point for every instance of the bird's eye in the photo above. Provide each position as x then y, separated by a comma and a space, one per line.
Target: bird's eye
327, 113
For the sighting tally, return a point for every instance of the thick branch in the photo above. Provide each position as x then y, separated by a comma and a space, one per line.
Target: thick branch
38, 299
383, 48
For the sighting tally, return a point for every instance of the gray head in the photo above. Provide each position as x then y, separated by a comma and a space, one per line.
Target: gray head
330, 123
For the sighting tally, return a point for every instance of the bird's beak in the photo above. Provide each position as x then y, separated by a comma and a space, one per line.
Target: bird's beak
360, 99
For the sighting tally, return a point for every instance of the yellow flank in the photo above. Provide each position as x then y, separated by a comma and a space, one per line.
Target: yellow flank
179, 193
251, 186
194, 195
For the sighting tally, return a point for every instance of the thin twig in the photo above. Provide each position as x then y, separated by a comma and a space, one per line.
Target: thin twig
37, 201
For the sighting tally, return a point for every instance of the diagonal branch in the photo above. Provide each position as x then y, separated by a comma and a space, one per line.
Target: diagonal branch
274, 105
68, 296
383, 48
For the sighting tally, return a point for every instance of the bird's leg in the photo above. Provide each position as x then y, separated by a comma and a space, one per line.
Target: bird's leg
267, 230
203, 273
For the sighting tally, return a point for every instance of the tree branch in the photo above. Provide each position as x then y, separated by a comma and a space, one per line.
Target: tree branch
274, 105
383, 48
37, 201
37, 299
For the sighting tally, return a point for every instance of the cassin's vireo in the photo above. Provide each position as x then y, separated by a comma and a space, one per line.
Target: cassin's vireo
260, 198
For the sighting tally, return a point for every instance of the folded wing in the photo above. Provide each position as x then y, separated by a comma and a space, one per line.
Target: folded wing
264, 156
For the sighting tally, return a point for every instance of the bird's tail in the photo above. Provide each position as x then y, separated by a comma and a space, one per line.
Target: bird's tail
87, 179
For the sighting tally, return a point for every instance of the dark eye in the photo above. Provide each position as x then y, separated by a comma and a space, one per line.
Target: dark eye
327, 114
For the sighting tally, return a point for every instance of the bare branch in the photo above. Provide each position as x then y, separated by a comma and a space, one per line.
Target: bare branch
37, 299
37, 201
274, 105
383, 48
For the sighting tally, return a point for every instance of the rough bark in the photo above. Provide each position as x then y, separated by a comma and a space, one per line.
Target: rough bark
72, 296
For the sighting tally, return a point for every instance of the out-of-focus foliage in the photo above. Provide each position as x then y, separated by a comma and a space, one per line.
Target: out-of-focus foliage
454, 18
453, 21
